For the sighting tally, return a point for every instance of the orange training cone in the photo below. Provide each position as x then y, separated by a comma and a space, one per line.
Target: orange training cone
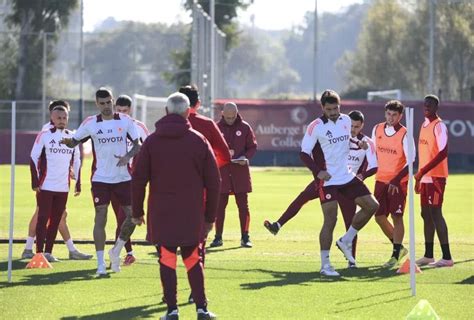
38, 261
405, 267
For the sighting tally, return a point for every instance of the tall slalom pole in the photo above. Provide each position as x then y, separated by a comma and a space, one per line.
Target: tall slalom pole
12, 190
409, 120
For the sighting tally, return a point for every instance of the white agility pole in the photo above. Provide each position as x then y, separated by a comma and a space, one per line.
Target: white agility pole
12, 190
409, 121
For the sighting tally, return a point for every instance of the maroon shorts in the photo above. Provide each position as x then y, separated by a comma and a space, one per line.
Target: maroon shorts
102, 193
432, 194
388, 203
351, 190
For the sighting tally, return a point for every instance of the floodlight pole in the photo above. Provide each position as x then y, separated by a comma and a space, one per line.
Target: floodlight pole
213, 58
12, 190
315, 51
81, 71
431, 47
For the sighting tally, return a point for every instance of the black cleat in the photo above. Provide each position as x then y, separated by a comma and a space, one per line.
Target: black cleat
217, 242
245, 241
272, 227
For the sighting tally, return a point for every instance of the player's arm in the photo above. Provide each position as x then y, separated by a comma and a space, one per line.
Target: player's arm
132, 135
76, 164
212, 183
371, 158
35, 155
140, 178
441, 135
219, 146
307, 145
395, 182
81, 133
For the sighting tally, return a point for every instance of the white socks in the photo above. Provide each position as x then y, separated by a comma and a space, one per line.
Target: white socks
325, 257
119, 244
350, 235
70, 245
100, 257
30, 241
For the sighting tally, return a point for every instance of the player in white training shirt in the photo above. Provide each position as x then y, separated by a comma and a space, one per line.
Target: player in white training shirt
109, 132
325, 150
123, 104
74, 253
50, 176
362, 162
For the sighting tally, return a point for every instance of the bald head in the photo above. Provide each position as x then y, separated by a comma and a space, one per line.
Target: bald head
229, 112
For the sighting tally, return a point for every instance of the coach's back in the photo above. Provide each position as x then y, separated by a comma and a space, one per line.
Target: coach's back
180, 166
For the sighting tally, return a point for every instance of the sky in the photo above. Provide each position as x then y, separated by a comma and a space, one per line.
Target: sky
266, 14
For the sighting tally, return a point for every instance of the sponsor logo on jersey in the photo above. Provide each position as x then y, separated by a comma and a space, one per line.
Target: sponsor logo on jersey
353, 158
100, 132
338, 139
238, 133
110, 140
109, 130
61, 150
386, 150
423, 141
328, 196
52, 142
329, 134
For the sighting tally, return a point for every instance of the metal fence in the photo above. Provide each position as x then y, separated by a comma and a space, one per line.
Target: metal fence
201, 73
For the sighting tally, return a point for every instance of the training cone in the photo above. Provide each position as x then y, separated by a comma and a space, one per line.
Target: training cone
38, 261
422, 311
405, 267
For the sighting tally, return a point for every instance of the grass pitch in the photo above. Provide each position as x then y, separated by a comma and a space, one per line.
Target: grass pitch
277, 279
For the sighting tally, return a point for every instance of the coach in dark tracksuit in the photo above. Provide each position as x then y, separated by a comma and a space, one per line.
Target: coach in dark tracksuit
235, 175
180, 166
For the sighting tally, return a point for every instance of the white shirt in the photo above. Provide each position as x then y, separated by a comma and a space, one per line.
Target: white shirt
333, 138
390, 131
51, 160
109, 141
357, 154
47, 126
441, 136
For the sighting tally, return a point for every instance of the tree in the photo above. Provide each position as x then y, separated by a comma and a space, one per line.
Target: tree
32, 19
393, 49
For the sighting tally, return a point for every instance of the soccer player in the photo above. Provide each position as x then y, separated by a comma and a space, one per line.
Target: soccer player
50, 179
109, 132
391, 180
431, 180
328, 138
206, 126
236, 175
181, 170
74, 253
362, 162
123, 104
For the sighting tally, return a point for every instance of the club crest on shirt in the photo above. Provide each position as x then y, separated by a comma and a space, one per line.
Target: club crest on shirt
238, 133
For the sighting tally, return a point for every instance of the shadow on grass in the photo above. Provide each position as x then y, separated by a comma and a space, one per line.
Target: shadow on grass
377, 303
469, 280
284, 278
16, 265
53, 278
145, 311
210, 250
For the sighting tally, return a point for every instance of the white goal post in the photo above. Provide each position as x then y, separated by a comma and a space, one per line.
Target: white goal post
148, 109
384, 95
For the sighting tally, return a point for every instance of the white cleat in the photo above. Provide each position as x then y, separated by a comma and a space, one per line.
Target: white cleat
346, 249
328, 270
114, 261
101, 270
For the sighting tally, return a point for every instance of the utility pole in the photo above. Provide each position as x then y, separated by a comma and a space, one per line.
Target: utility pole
315, 51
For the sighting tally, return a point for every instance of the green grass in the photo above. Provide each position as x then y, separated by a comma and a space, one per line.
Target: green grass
277, 279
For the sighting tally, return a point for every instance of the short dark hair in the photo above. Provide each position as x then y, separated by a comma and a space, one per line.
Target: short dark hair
356, 115
53, 104
60, 108
191, 91
330, 96
124, 100
395, 105
103, 93
433, 98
